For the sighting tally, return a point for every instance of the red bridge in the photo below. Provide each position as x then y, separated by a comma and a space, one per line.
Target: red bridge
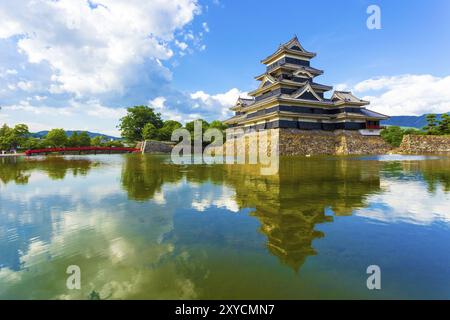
82, 149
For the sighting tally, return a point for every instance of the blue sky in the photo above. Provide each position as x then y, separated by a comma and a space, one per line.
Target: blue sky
77, 64
415, 38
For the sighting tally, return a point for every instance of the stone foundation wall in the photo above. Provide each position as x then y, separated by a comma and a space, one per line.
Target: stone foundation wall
293, 142
341, 142
352, 142
152, 146
243, 143
416, 144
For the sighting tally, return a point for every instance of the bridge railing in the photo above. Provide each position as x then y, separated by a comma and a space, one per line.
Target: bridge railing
79, 149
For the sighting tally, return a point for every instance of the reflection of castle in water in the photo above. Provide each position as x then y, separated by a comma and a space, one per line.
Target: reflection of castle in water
288, 205
291, 204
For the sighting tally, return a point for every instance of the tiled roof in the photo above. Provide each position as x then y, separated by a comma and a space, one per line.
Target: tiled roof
373, 114
346, 96
288, 46
246, 101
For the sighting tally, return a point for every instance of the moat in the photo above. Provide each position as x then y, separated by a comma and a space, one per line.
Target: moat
140, 227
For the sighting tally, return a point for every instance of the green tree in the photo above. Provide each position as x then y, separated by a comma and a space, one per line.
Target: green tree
21, 130
393, 135
413, 131
34, 143
190, 127
5, 132
150, 132
432, 124
218, 125
131, 126
165, 133
97, 141
85, 139
114, 143
13, 138
74, 140
57, 138
20, 134
444, 124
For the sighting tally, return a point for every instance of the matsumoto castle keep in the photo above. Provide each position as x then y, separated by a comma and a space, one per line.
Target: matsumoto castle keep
289, 98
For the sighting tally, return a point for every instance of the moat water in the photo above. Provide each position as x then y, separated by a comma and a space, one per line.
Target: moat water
140, 227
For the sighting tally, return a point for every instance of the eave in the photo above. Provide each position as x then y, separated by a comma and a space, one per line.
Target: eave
321, 87
277, 85
286, 114
312, 72
276, 100
295, 67
234, 119
350, 103
282, 51
351, 115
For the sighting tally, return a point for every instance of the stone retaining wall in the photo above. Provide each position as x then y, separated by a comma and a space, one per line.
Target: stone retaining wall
417, 144
341, 142
309, 142
293, 142
152, 146
352, 142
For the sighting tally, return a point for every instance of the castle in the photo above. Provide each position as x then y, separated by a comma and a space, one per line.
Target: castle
291, 104
289, 97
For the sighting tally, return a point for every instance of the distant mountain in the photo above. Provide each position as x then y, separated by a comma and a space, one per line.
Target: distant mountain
42, 134
408, 121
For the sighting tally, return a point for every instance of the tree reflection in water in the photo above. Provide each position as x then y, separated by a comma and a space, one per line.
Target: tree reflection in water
18, 170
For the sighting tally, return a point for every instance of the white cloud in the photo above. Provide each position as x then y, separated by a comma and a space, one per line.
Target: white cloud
9, 26
408, 202
168, 112
94, 49
205, 26
90, 115
158, 103
78, 63
189, 36
188, 107
225, 200
406, 94
220, 102
94, 116
7, 72
182, 45
27, 85
97, 110
201, 205
40, 98
341, 87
